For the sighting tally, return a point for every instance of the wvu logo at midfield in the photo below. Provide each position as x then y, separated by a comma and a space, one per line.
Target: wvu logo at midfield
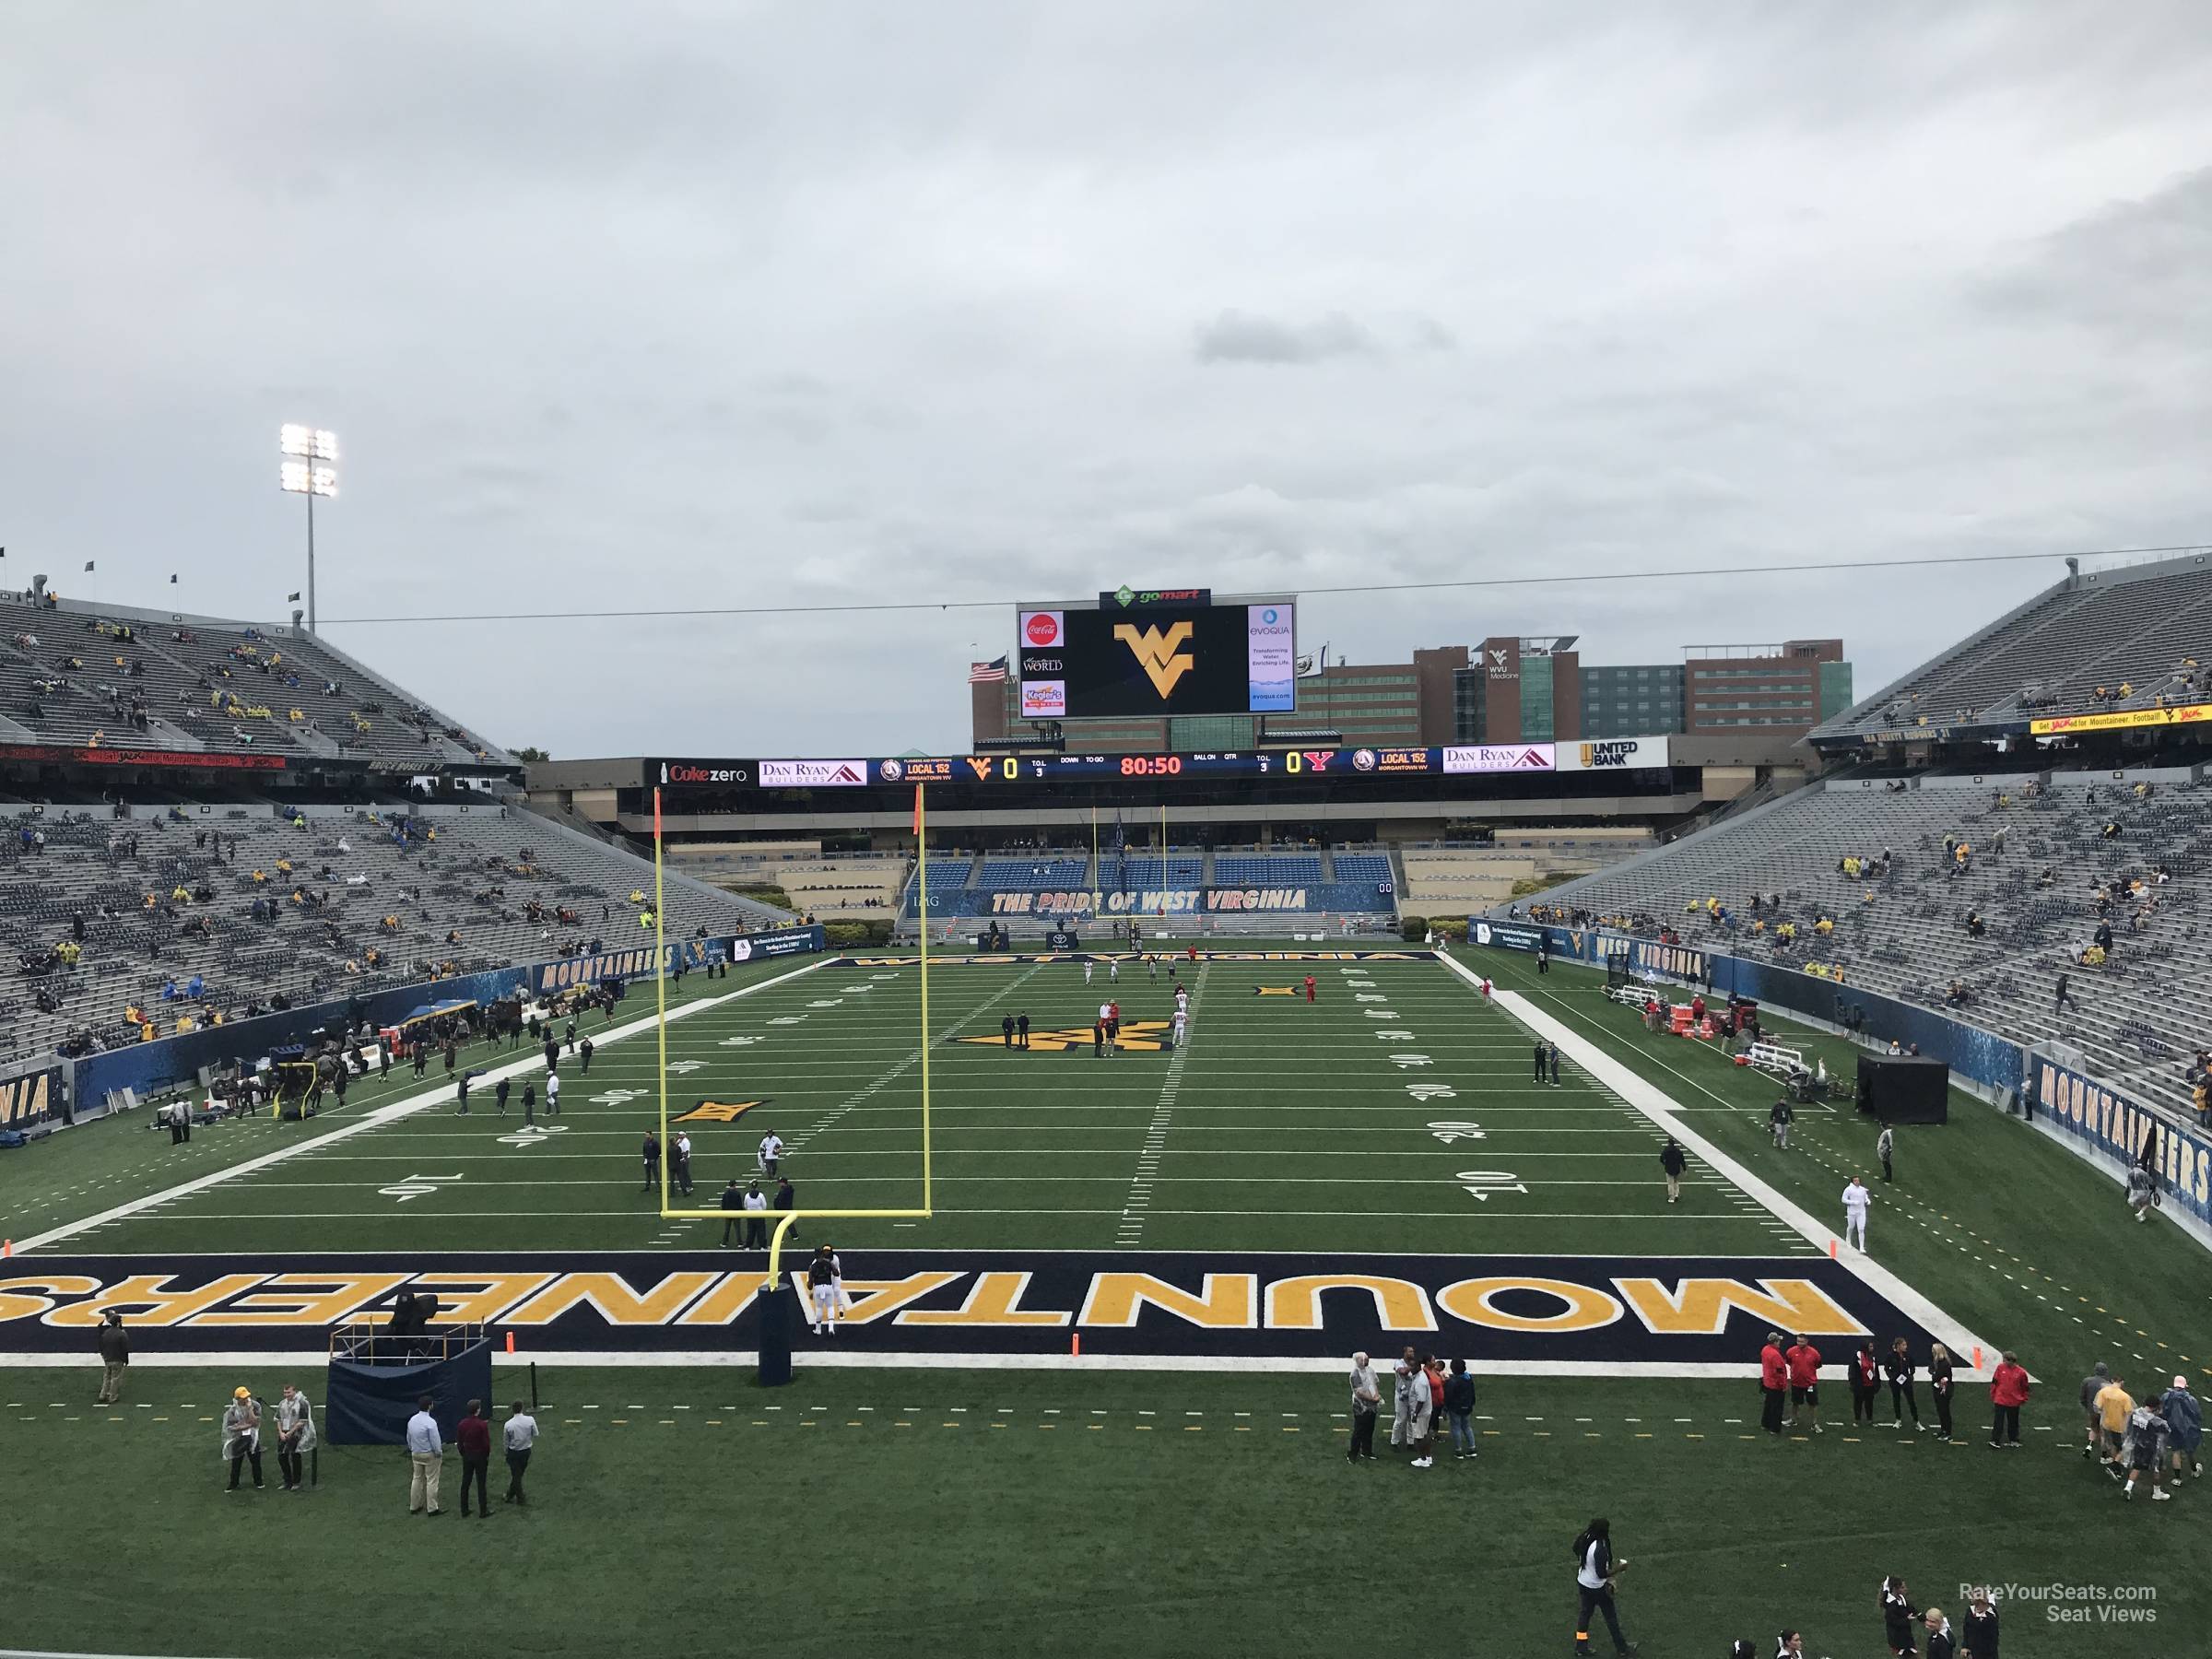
719, 1111
1163, 659
1147, 1036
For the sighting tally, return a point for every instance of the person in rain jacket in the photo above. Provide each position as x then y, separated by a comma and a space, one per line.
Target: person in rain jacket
2185, 1429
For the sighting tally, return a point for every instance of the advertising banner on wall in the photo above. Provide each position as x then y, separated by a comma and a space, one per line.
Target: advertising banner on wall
1611, 754
1498, 757
2104, 1121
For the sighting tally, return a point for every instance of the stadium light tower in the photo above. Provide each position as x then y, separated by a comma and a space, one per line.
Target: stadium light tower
313, 472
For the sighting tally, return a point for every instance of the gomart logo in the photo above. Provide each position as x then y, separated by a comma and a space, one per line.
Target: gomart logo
1161, 656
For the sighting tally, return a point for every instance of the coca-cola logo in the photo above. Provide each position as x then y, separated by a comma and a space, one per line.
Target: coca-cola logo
1042, 628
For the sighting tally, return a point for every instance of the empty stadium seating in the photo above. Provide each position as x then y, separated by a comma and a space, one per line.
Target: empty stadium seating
2140, 1015
1040, 874
206, 684
962, 887
432, 886
849, 886
2132, 631
1269, 869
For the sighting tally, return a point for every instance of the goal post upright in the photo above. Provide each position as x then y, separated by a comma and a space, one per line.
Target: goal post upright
660, 989
788, 1219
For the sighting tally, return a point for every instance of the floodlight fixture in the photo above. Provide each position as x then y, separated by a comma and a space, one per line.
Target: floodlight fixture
312, 472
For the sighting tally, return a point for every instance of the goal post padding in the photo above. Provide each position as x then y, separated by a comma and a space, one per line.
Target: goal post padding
369, 1399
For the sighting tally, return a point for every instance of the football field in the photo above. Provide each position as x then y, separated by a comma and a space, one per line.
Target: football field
1218, 1225
1395, 1111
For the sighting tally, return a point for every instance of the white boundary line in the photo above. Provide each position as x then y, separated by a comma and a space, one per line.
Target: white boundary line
823, 1353
1656, 1105
383, 1115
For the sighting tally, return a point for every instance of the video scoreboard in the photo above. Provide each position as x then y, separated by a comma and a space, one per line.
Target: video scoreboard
1158, 651
1011, 772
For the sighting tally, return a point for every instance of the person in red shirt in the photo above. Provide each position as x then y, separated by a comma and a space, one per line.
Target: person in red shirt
1865, 1381
1309, 987
2008, 1391
1773, 1380
472, 1435
1803, 1360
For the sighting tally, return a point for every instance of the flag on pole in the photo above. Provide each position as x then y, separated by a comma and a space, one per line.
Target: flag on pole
987, 674
289, 598
173, 579
89, 563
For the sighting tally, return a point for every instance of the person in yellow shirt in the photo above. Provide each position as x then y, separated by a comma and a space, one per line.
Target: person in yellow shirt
2113, 1407
1824, 927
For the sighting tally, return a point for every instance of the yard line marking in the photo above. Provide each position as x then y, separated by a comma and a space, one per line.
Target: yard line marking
911, 1059
426, 1101
1655, 1104
1156, 1133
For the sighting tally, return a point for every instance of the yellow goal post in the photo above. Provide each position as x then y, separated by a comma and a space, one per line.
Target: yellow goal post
786, 1219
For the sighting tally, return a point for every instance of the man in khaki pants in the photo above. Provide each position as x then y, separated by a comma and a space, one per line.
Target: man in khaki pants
426, 1453
114, 1356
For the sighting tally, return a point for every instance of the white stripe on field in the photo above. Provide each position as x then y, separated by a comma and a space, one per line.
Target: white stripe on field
381, 1116
1655, 1104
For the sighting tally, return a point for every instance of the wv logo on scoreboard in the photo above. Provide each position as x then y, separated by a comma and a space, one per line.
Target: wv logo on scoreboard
1162, 656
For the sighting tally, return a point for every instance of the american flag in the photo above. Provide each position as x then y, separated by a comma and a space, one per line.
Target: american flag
987, 674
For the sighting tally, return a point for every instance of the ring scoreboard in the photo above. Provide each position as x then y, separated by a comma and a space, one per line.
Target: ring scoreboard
1158, 651
1012, 772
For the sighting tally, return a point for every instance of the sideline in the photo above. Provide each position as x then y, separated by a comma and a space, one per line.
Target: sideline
1656, 1105
819, 1353
383, 1115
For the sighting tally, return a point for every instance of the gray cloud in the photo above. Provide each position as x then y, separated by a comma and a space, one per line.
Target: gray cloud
693, 306
2136, 269
1237, 336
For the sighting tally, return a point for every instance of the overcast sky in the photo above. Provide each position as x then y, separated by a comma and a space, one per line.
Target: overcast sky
691, 305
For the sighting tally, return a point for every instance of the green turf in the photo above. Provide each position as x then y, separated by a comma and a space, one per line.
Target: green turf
923, 1513
1283, 1124
80, 1171
2007, 1230
1286, 1127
